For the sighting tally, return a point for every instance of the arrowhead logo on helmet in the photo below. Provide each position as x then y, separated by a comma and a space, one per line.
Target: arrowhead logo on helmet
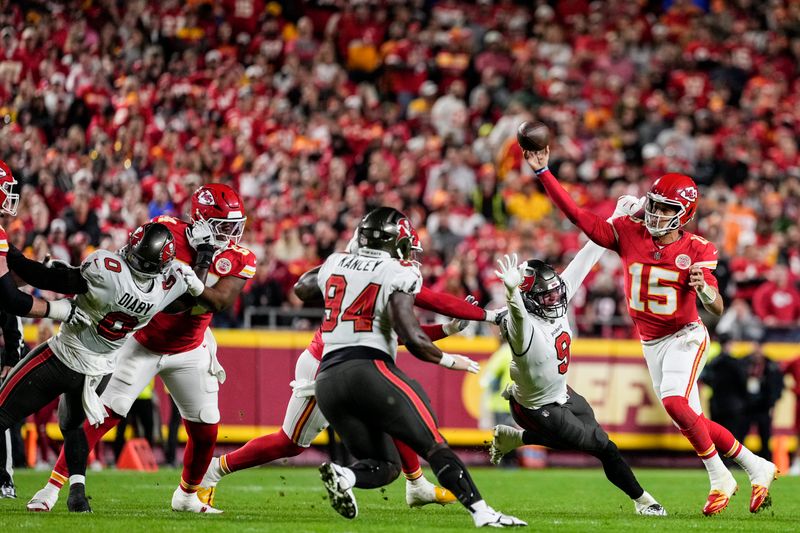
204, 197
219, 204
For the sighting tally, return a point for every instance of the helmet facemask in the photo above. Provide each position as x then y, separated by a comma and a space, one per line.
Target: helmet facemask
226, 230
551, 303
11, 200
657, 224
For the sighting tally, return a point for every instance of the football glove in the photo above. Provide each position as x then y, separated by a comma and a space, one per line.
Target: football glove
302, 388
458, 324
66, 310
454, 361
199, 233
510, 272
194, 286
627, 205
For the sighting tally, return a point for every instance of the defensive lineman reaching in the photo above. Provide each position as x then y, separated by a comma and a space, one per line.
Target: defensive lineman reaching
551, 413
180, 347
118, 294
369, 300
666, 270
303, 420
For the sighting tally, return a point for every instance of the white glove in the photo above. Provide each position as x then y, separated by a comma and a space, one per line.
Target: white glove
200, 232
496, 315
302, 388
627, 205
454, 361
510, 272
194, 286
459, 324
66, 310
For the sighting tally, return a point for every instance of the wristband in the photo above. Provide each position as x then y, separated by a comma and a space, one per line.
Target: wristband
707, 295
447, 360
541, 171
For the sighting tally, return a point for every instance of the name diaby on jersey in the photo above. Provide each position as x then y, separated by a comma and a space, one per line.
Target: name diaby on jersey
131, 303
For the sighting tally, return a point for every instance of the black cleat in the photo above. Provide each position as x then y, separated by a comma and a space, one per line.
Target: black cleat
77, 501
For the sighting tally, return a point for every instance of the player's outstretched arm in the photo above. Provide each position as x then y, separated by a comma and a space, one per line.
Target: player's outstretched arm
591, 224
306, 287
49, 276
709, 296
518, 327
401, 307
449, 305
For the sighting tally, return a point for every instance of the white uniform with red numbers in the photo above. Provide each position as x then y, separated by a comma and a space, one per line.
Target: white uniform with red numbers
664, 307
180, 348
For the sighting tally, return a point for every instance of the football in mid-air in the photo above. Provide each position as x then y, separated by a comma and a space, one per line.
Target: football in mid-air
533, 136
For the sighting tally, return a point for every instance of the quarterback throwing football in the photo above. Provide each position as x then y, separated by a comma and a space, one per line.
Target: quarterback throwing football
666, 270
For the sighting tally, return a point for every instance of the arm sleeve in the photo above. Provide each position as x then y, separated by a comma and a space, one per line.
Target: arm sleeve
517, 325
448, 305
12, 300
12, 335
594, 226
434, 331
66, 279
580, 266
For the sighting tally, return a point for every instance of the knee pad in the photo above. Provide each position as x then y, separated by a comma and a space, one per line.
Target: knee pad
678, 409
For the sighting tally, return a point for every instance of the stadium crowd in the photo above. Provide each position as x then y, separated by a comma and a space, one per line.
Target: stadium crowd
114, 112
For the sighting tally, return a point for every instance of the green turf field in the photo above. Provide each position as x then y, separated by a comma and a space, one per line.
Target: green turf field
293, 500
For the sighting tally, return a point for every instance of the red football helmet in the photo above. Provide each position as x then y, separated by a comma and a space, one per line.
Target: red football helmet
222, 208
8, 200
677, 191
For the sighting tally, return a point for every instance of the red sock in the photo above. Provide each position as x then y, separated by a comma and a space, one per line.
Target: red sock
692, 425
93, 436
198, 453
409, 460
259, 451
723, 439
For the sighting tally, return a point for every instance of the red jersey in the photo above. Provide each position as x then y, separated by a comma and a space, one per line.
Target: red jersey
178, 333
660, 300
3, 242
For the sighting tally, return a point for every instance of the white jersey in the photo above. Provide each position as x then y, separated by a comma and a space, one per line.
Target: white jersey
357, 288
117, 306
541, 345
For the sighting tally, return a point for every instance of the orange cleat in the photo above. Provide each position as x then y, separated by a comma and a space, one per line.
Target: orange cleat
759, 497
719, 498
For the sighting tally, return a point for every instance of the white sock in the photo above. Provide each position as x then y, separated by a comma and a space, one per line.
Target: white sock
645, 499
50, 491
716, 470
77, 479
418, 481
747, 460
478, 506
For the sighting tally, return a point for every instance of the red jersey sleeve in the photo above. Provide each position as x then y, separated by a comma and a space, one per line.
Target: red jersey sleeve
242, 263
448, 305
706, 257
3, 242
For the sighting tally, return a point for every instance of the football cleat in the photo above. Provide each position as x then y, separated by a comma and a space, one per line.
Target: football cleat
44, 500
761, 482
653, 509
207, 495
189, 502
488, 517
77, 501
505, 440
422, 492
7, 490
720, 497
212, 475
340, 493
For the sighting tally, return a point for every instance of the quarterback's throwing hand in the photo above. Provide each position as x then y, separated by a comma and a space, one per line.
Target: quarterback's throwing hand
537, 160
509, 271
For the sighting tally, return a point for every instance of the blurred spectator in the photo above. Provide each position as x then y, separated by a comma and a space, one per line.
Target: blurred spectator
727, 378
792, 368
738, 322
777, 304
764, 389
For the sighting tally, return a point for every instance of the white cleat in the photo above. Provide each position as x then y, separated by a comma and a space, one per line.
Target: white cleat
505, 440
339, 490
488, 517
422, 492
190, 503
212, 475
43, 501
652, 509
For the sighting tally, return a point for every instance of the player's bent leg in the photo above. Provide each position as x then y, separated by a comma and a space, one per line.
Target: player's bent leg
419, 491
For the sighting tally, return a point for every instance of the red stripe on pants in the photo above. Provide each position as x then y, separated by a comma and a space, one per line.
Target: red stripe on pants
24, 371
416, 401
